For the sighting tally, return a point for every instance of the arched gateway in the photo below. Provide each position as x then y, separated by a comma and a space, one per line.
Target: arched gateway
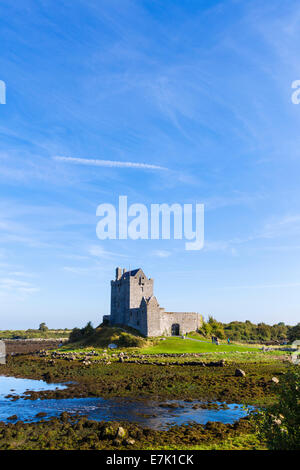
175, 329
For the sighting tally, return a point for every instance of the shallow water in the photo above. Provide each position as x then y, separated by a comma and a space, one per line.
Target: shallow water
153, 414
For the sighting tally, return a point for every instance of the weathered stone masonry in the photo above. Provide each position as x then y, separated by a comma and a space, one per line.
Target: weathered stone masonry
133, 304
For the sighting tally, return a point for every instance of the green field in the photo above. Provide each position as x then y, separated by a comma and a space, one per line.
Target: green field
179, 345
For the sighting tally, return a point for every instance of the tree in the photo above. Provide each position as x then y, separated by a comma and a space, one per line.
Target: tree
43, 327
79, 333
294, 333
88, 330
75, 335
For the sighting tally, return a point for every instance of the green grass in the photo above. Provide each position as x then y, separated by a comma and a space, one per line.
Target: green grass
179, 345
241, 442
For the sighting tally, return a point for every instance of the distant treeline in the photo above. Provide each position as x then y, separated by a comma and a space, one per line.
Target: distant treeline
42, 332
247, 331
235, 331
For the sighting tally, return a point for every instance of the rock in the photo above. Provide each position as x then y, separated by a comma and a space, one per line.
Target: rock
239, 373
130, 442
13, 418
41, 415
108, 432
275, 380
120, 433
117, 442
47, 377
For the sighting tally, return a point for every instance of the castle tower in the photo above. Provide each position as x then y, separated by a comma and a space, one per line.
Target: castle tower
133, 304
127, 292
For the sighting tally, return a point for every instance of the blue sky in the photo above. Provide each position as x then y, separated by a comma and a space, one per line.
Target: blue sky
202, 88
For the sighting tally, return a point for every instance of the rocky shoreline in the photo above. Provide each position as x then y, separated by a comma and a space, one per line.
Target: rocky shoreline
71, 432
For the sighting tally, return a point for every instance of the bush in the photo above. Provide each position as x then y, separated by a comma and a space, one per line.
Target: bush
279, 425
75, 335
78, 334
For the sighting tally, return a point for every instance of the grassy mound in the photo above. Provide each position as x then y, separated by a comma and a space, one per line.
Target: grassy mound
105, 334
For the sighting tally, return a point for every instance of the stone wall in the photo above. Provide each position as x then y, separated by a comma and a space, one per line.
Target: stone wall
138, 320
188, 321
154, 318
140, 286
119, 301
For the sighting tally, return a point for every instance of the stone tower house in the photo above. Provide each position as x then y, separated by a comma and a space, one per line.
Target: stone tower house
133, 304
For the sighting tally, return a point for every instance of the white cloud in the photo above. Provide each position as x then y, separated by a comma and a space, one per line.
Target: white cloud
99, 252
162, 253
109, 163
264, 286
15, 287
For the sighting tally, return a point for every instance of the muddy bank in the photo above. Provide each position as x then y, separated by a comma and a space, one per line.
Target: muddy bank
74, 432
151, 381
28, 346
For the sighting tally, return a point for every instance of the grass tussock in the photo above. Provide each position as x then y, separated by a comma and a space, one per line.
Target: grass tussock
105, 335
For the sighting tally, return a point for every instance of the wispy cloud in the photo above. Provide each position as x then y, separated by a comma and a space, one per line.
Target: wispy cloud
99, 252
219, 245
109, 163
264, 286
285, 227
9, 286
162, 253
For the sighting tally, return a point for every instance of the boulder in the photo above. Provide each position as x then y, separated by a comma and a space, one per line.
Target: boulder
275, 380
108, 432
120, 433
240, 373
130, 442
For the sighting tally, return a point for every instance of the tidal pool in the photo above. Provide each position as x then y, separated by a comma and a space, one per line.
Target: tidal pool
147, 413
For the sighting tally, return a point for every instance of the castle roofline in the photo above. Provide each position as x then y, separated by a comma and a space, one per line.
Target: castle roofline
131, 273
